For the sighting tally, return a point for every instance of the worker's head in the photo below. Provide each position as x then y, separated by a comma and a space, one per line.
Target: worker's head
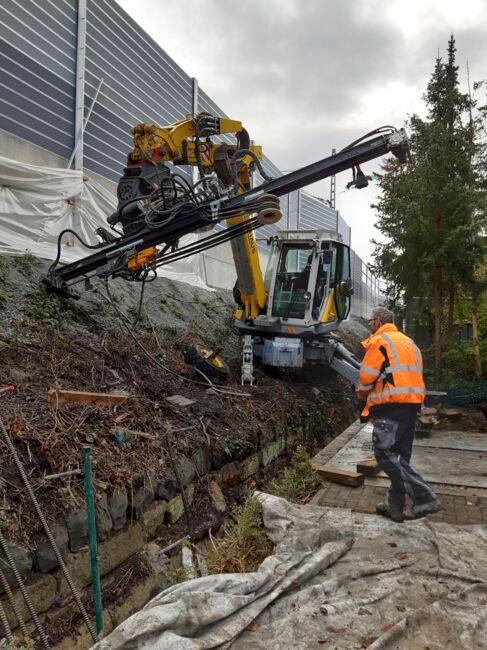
380, 316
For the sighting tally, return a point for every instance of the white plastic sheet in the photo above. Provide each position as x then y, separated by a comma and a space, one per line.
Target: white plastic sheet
336, 580
37, 203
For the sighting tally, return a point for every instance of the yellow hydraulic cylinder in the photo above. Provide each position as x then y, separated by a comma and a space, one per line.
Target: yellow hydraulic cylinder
249, 273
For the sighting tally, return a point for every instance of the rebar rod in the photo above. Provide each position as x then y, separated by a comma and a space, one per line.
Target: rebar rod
40, 630
5, 625
47, 530
13, 604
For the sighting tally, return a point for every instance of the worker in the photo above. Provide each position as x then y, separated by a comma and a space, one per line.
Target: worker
392, 387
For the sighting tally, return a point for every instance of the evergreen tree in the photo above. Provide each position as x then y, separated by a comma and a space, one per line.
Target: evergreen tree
431, 210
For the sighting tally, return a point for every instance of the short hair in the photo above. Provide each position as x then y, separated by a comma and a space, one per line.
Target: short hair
383, 315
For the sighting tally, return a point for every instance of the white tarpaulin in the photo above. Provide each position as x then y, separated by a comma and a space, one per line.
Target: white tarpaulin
336, 580
37, 203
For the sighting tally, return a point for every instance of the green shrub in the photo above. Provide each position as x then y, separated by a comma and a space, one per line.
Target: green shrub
25, 264
244, 545
299, 480
48, 308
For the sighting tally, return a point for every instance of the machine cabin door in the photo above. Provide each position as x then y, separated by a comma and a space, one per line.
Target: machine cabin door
341, 288
293, 274
308, 282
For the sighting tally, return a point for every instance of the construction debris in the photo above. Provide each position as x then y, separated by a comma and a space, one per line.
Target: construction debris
180, 401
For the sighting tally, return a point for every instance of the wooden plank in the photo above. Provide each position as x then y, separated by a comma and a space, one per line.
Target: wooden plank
368, 467
342, 476
333, 447
82, 397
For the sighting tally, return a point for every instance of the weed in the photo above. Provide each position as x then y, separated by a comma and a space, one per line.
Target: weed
244, 546
104, 308
25, 264
194, 330
48, 308
177, 575
211, 307
117, 297
170, 330
3, 269
133, 313
229, 320
299, 481
3, 298
232, 447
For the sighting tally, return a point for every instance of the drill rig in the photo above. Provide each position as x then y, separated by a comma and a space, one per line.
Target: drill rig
287, 316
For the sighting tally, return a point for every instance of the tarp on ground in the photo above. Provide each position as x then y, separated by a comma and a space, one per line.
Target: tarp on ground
37, 203
335, 580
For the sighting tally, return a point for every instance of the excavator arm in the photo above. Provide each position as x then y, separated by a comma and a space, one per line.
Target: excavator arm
157, 205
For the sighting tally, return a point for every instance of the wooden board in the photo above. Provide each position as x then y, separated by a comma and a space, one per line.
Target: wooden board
368, 467
344, 477
59, 396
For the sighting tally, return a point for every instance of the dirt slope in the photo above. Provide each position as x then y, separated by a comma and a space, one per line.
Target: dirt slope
87, 345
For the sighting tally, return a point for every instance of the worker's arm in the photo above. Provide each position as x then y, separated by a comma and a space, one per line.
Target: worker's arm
370, 369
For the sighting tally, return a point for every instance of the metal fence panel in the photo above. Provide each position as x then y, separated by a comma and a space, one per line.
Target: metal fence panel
37, 71
141, 83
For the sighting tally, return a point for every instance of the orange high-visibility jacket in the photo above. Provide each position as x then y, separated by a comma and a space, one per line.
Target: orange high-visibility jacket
391, 370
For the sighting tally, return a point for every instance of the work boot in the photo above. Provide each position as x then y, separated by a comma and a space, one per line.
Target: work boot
423, 509
385, 510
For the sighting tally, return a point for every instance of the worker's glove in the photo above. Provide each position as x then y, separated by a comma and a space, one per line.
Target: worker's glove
361, 406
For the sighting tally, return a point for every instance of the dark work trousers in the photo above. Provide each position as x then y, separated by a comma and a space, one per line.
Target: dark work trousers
393, 437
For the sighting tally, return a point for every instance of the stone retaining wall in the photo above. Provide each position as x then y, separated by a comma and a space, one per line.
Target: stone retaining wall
126, 522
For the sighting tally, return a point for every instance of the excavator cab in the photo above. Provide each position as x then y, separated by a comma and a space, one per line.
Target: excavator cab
309, 286
308, 280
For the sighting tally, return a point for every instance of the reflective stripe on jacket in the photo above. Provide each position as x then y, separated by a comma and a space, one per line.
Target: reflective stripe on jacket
391, 370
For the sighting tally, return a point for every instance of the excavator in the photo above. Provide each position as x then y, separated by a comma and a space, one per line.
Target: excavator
288, 315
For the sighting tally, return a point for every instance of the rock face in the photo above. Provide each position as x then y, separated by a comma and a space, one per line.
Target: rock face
141, 496
202, 459
168, 486
77, 529
23, 560
117, 507
103, 518
217, 499
44, 556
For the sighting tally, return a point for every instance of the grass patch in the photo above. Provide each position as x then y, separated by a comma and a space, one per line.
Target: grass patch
25, 264
245, 544
299, 481
177, 575
48, 308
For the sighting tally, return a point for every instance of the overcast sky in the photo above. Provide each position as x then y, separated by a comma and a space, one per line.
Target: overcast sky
305, 76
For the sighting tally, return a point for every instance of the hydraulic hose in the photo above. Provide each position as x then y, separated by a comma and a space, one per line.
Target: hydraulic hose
28, 601
43, 521
246, 152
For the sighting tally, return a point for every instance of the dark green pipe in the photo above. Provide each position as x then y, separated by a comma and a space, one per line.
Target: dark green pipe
90, 515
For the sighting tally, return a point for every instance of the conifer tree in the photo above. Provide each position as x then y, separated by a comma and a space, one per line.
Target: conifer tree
431, 210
